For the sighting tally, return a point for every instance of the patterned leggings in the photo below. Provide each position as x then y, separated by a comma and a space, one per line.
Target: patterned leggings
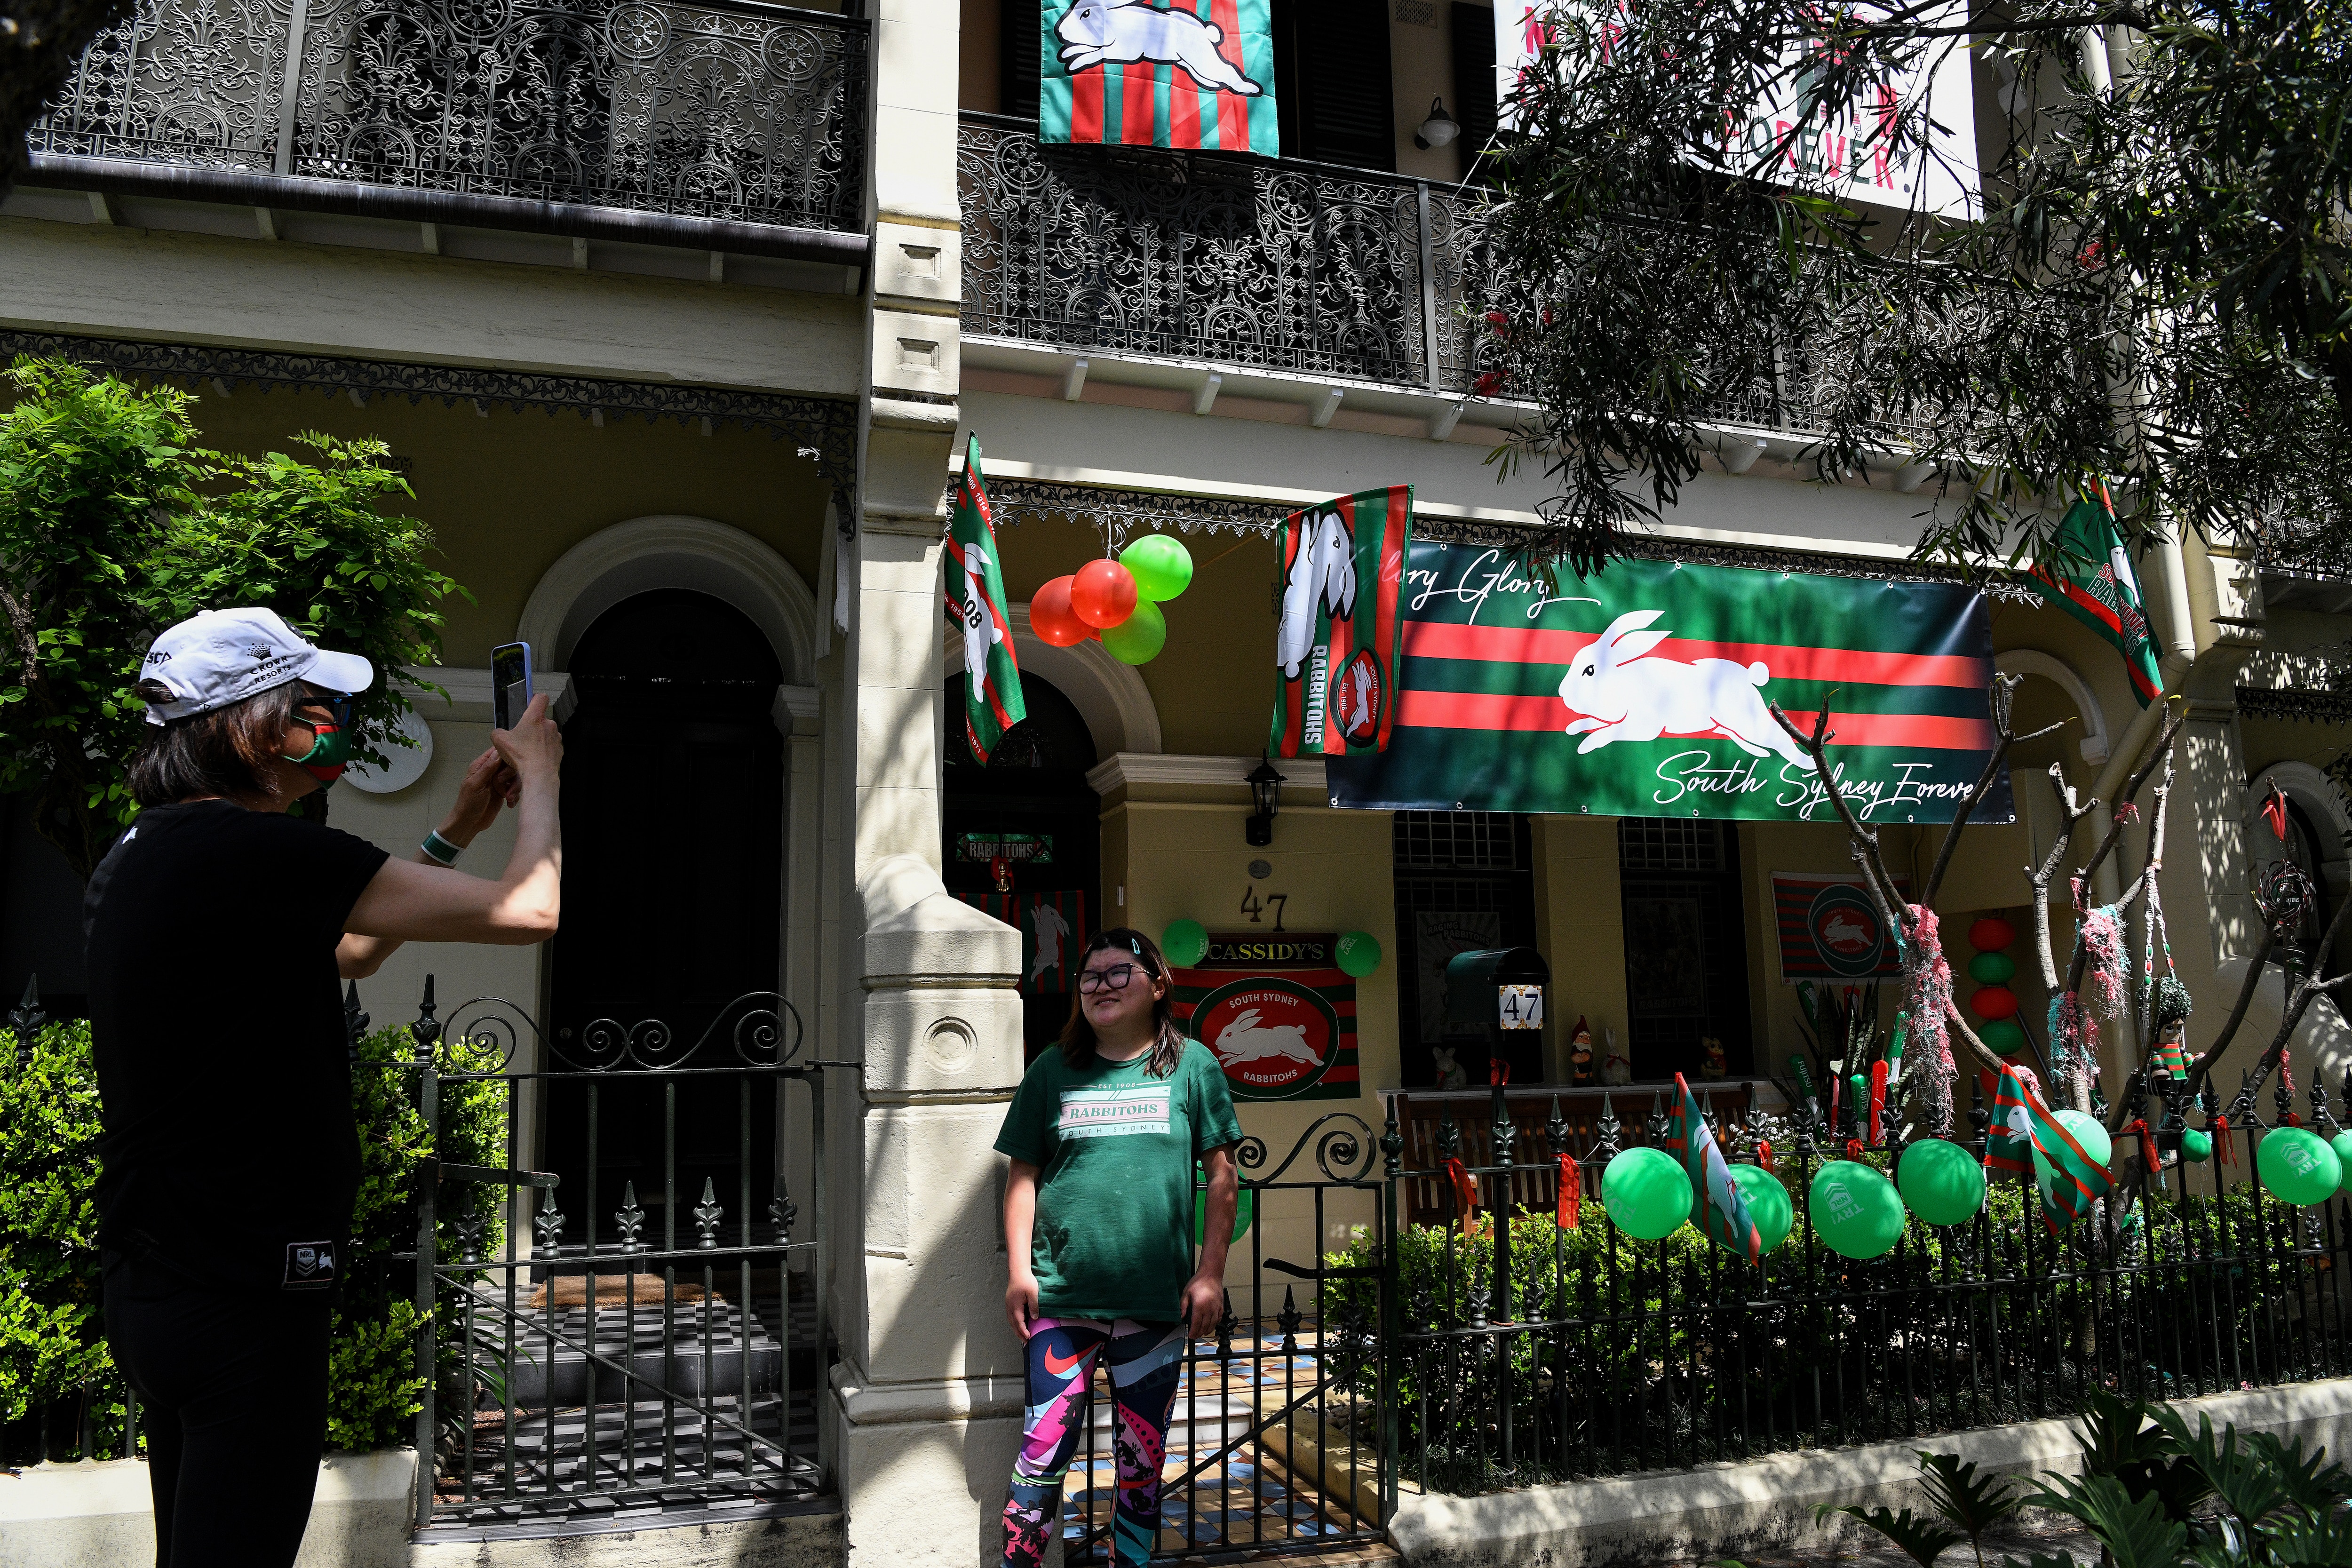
1146, 1361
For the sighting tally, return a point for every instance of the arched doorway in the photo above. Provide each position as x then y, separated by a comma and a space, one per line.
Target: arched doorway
673, 830
1031, 805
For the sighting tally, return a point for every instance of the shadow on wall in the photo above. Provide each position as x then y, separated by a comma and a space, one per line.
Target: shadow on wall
2322, 1046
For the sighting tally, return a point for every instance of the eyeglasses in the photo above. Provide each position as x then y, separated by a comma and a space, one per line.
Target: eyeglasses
1116, 978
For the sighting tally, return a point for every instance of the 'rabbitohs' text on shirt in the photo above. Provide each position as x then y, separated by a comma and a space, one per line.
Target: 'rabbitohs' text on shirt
1116, 1148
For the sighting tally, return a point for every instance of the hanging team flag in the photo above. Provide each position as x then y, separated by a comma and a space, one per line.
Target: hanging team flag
1194, 74
1717, 1206
2093, 583
1053, 927
2069, 1180
975, 602
1335, 648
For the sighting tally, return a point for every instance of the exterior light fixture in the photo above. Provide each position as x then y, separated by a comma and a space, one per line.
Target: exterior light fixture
1437, 130
1265, 788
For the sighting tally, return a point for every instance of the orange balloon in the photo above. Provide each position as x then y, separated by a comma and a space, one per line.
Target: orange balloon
1991, 1002
1103, 593
1051, 617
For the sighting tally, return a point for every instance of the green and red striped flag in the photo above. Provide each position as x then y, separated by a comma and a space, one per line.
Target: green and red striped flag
1279, 1033
2069, 1180
2092, 579
1195, 74
975, 602
1336, 645
1717, 1206
1642, 691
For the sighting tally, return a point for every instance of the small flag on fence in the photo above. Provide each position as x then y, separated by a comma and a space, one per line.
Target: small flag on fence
2069, 1180
975, 602
1717, 1206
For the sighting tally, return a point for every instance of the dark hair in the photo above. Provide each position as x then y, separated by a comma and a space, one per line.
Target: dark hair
1167, 1039
227, 751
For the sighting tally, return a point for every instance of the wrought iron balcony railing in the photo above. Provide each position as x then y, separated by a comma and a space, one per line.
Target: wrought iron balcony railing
1282, 266
725, 109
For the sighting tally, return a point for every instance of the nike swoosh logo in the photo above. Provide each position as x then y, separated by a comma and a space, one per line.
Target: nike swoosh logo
1064, 1369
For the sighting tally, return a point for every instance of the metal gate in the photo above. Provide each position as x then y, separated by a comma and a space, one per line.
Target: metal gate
1283, 1425
607, 1342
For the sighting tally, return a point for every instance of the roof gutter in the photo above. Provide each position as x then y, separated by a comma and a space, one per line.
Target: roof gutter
352, 198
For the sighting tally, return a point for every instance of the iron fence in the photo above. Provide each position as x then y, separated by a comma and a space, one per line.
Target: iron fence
1585, 1352
720, 109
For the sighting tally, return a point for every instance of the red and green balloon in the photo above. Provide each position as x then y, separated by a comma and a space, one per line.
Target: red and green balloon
1116, 601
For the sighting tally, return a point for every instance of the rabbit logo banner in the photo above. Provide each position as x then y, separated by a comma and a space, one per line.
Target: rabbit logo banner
1335, 645
1194, 74
1280, 1033
1644, 691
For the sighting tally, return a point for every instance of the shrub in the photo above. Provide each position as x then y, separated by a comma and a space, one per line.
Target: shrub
56, 1378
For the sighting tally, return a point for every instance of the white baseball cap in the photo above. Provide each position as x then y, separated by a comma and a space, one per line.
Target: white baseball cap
219, 657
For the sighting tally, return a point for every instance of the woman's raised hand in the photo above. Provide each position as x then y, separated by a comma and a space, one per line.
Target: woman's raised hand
535, 747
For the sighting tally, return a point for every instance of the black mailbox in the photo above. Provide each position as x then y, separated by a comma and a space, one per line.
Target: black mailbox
1503, 990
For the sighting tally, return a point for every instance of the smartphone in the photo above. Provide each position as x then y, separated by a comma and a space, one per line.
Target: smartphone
509, 683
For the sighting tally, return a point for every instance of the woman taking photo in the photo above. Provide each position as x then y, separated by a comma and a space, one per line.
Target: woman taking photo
1103, 1134
218, 928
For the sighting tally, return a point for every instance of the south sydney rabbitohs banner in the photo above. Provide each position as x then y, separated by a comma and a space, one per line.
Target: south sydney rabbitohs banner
1191, 74
1830, 928
1278, 1011
1335, 643
1642, 692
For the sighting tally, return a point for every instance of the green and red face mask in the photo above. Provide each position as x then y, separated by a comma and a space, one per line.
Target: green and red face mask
330, 741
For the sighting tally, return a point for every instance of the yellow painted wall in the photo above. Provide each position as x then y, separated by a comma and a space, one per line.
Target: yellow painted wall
1581, 931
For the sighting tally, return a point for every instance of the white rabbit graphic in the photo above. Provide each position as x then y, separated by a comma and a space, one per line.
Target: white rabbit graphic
1245, 1040
1616, 694
1092, 32
1323, 571
980, 628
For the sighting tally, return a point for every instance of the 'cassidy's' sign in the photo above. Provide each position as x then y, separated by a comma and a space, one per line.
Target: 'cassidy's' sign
1280, 950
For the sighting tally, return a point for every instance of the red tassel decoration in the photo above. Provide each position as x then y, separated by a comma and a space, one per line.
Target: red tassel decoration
1571, 1191
1498, 1072
1853, 1148
2149, 1158
1877, 1098
2225, 1152
1465, 1189
1764, 1152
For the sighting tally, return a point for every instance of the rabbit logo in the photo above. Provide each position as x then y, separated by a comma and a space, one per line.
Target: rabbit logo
1614, 692
1093, 32
1323, 574
1357, 702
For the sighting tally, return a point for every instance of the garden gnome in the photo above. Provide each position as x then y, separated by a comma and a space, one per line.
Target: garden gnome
1711, 1052
1579, 1052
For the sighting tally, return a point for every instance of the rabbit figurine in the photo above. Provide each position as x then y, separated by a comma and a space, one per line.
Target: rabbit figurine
1614, 694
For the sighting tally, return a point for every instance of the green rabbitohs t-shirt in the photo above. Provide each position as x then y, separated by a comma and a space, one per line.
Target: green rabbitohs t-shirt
1116, 1148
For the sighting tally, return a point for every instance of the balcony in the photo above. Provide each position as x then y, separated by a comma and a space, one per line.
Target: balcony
730, 113
1297, 268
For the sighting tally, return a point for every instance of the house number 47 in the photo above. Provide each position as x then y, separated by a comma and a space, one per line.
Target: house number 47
1255, 907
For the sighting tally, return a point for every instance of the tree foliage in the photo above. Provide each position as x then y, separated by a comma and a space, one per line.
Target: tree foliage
114, 524
2152, 293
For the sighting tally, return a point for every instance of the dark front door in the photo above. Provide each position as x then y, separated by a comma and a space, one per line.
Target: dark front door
672, 840
1685, 945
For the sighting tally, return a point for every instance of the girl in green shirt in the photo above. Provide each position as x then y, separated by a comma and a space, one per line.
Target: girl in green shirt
1103, 1134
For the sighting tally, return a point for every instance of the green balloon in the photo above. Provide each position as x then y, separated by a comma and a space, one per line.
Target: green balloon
1991, 968
2297, 1166
1139, 639
1161, 566
2342, 1144
1940, 1182
2005, 1036
1184, 943
1357, 953
1767, 1203
1855, 1211
1646, 1192
1244, 1211
2195, 1147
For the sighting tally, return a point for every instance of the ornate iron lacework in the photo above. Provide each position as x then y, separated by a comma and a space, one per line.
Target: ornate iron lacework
2316, 707
823, 429
712, 109
1122, 512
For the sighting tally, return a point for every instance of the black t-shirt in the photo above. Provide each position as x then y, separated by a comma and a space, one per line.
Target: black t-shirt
217, 1019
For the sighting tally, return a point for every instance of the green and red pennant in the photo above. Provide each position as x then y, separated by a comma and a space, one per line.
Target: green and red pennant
2070, 1180
1717, 1207
2090, 578
975, 602
1193, 74
1337, 641
1642, 691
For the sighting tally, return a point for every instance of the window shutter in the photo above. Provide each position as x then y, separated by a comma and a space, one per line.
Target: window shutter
1018, 23
1340, 70
1474, 77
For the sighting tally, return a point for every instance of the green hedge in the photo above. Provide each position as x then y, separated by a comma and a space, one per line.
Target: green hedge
54, 1361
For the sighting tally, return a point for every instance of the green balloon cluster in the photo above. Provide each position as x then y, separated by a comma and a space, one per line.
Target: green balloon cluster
1161, 566
1184, 943
1646, 1193
2005, 1036
2295, 1165
1768, 1203
1357, 952
1139, 639
1855, 1211
1940, 1182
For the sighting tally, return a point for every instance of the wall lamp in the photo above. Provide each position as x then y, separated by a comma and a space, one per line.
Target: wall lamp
1266, 789
1437, 130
